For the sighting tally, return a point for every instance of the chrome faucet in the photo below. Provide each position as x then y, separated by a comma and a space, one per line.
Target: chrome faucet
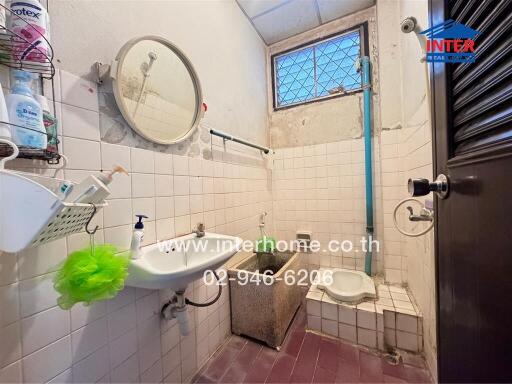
199, 231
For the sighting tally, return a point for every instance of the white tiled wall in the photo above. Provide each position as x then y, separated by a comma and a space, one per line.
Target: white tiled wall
321, 188
123, 339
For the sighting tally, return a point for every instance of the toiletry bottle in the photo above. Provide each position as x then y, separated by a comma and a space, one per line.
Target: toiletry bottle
137, 237
33, 25
5, 129
94, 188
25, 113
50, 124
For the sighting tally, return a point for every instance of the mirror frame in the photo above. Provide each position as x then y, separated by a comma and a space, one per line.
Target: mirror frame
115, 72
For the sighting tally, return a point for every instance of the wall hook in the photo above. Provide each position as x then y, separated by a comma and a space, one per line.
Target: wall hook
91, 232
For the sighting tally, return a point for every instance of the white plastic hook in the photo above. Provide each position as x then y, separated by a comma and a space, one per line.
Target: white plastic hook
15, 152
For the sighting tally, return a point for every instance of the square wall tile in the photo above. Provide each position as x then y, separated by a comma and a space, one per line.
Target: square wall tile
127, 372
11, 373
37, 294
80, 123
407, 341
78, 92
9, 304
44, 328
366, 319
163, 163
347, 314
47, 362
117, 212
84, 314
112, 155
82, 154
315, 323
329, 309
180, 165
10, 344
92, 368
330, 327
89, 339
123, 347
367, 337
407, 323
347, 332
142, 160
164, 185
46, 258
143, 185
119, 236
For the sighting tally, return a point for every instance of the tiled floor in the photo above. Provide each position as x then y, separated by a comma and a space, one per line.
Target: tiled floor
306, 358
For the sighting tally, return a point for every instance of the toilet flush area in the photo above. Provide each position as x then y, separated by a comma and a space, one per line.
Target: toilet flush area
320, 182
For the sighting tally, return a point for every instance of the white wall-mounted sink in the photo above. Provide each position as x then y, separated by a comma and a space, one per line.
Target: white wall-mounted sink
175, 263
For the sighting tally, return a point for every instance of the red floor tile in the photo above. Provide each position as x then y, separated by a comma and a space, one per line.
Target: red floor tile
347, 372
261, 367
370, 368
328, 357
323, 375
417, 375
246, 357
394, 380
303, 370
293, 342
348, 353
307, 358
235, 374
282, 369
237, 342
217, 367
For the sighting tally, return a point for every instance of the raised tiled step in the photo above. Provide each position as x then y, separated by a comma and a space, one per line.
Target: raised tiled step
390, 321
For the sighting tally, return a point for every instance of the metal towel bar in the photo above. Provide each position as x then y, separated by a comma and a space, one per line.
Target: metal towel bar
225, 136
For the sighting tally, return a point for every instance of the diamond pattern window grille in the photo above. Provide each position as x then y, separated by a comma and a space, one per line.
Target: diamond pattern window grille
325, 68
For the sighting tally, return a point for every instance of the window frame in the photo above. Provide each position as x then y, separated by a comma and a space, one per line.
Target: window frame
363, 51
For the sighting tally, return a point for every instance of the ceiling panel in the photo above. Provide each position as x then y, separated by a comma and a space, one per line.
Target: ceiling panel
276, 20
333, 9
287, 20
254, 8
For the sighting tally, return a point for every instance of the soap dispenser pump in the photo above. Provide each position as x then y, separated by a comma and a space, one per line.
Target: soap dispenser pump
137, 237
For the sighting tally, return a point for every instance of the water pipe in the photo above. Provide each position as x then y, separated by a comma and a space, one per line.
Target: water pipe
367, 121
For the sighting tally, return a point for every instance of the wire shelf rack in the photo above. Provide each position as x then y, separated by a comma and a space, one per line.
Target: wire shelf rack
16, 45
50, 154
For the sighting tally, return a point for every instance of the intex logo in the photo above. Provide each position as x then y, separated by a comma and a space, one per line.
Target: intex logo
450, 42
26, 12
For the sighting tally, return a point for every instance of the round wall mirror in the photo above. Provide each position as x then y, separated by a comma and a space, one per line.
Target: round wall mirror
157, 90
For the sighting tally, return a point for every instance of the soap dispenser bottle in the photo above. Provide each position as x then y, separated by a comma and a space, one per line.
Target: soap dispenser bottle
137, 237
94, 189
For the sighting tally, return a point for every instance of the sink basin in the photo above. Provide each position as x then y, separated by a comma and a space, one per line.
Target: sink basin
175, 263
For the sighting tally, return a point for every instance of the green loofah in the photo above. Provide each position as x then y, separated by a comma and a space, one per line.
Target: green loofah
265, 244
87, 277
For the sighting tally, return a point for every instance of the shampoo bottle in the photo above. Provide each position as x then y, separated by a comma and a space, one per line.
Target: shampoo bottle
94, 188
25, 113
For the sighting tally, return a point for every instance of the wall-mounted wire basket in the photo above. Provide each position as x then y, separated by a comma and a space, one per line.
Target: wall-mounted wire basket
33, 212
49, 154
12, 44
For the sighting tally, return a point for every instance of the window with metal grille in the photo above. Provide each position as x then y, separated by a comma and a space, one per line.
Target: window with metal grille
320, 70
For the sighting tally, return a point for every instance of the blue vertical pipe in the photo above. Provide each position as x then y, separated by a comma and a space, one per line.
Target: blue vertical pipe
367, 121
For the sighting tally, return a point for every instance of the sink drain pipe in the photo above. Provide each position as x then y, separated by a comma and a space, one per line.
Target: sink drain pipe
367, 121
176, 307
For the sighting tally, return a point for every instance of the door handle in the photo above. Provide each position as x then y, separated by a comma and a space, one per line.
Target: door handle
422, 187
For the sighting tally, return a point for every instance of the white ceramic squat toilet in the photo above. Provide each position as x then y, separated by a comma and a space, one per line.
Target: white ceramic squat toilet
349, 285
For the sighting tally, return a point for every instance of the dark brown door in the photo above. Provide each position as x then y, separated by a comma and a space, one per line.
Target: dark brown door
472, 117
